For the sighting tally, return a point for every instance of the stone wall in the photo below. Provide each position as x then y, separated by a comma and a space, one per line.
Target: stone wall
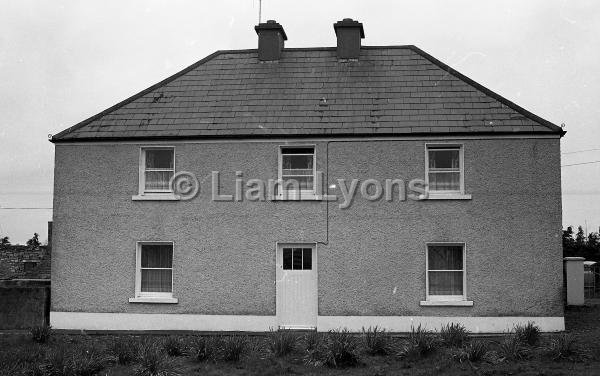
14, 257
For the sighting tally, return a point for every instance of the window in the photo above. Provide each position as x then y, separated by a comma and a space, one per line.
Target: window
156, 170
297, 258
297, 171
154, 269
444, 169
445, 272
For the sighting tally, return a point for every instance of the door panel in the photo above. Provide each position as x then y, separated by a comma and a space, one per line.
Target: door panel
297, 286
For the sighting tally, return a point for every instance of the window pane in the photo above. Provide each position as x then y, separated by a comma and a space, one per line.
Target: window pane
301, 162
297, 259
154, 280
157, 256
444, 158
159, 158
297, 182
445, 257
444, 181
287, 259
306, 258
158, 180
445, 283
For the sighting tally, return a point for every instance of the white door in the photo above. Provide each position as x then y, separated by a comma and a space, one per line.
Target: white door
297, 286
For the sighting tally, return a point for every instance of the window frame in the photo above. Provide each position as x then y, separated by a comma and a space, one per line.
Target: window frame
142, 170
460, 193
446, 298
302, 193
138, 271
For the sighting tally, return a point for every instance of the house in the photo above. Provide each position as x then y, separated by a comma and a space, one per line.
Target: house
455, 214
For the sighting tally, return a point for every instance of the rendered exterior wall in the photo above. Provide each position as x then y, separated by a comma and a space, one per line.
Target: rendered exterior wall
374, 263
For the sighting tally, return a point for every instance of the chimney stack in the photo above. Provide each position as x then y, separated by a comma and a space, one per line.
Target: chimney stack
349, 33
271, 37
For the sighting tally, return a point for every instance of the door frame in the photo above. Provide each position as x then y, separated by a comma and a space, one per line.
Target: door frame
315, 270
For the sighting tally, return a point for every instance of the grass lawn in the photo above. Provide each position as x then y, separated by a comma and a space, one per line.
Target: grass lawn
424, 353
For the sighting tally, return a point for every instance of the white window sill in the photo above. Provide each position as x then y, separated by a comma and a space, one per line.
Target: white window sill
298, 197
447, 303
448, 196
156, 197
153, 300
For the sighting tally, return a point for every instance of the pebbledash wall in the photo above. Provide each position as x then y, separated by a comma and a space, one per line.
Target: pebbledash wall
370, 272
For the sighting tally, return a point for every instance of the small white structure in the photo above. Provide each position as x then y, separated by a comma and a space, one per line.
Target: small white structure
575, 279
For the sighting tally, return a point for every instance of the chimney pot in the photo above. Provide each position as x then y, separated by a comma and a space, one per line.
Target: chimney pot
271, 38
349, 34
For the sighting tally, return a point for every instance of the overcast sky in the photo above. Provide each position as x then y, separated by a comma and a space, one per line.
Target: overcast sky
63, 61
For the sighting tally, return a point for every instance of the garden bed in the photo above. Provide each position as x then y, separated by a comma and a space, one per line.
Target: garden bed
451, 351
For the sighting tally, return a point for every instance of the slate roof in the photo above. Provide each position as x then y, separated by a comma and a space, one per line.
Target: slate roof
398, 90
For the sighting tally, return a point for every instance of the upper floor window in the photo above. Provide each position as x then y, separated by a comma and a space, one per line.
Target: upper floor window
444, 169
297, 171
157, 169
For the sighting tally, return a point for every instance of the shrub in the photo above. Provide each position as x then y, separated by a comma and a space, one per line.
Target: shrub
123, 349
233, 347
342, 348
22, 355
377, 341
20, 360
87, 362
338, 348
311, 340
420, 343
61, 361
152, 361
174, 346
454, 335
282, 342
474, 352
563, 347
512, 349
40, 333
11, 369
528, 334
57, 362
204, 348
258, 346
317, 355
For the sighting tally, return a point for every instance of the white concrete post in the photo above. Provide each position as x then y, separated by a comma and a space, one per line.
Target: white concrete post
574, 276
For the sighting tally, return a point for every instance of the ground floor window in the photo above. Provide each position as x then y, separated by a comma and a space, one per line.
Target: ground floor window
446, 271
154, 269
